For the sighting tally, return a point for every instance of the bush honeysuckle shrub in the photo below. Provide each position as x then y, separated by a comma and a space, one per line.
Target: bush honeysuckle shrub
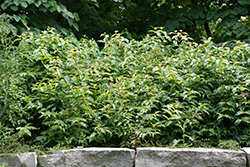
162, 90
7, 63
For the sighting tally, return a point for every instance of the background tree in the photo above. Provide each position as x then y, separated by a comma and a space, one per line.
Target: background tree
65, 15
221, 19
39, 14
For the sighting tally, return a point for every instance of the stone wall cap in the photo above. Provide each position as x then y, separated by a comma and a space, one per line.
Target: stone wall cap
105, 148
247, 149
185, 149
94, 149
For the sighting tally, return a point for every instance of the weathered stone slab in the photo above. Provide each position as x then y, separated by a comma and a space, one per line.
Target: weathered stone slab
19, 160
89, 157
187, 157
247, 152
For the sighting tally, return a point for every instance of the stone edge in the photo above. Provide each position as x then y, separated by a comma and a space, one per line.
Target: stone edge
246, 150
247, 154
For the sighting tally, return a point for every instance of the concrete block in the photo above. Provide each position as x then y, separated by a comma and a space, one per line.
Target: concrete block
188, 157
247, 152
19, 160
89, 157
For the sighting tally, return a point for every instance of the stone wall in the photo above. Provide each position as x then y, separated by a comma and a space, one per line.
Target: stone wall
124, 157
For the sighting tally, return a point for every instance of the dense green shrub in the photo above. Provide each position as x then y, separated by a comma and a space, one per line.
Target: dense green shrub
7, 63
164, 89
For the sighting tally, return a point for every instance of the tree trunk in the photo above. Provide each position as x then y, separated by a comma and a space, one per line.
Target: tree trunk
207, 29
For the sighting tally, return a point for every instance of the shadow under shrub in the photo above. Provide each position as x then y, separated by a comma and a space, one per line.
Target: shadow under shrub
162, 90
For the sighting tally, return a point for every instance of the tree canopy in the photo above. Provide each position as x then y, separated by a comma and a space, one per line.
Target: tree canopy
221, 19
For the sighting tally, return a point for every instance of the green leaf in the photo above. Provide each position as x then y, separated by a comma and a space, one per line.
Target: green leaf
70, 21
183, 19
47, 4
201, 22
169, 123
175, 141
37, 3
17, 18
92, 137
58, 7
24, 16
201, 14
191, 14
24, 21
4, 5
69, 14
13, 7
24, 4
76, 16
212, 14
244, 11
244, 2
239, 10
225, 13
189, 22
17, 2
52, 9
38, 138
30, 1
75, 25
42, 8
63, 8
54, 4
